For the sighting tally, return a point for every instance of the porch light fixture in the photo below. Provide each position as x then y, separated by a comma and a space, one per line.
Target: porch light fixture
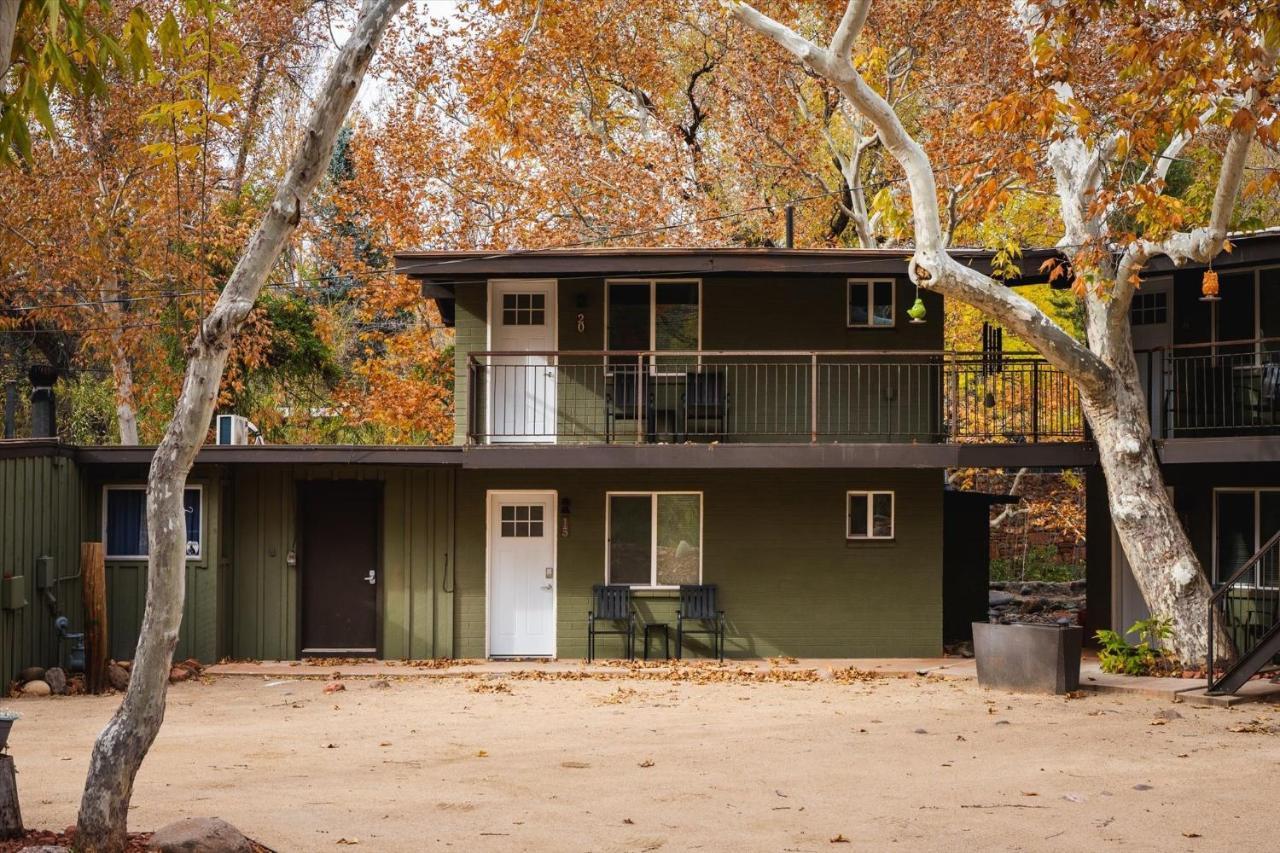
1209, 286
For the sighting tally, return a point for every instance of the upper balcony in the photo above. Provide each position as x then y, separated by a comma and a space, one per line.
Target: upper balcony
1227, 388
767, 396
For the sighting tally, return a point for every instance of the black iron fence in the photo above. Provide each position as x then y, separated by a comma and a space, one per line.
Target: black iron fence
1226, 388
768, 396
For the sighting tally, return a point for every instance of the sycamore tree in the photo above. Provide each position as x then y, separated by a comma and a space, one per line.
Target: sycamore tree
1110, 94
122, 745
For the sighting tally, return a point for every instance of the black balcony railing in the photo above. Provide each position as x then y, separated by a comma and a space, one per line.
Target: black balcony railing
1244, 620
768, 396
1226, 388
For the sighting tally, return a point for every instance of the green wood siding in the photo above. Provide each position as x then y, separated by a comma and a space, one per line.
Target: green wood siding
773, 541
198, 637
416, 608
40, 511
470, 335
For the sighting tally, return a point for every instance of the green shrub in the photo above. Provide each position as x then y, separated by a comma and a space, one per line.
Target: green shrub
1118, 656
1042, 564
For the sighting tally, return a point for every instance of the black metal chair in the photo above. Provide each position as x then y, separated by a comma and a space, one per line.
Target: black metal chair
698, 605
612, 605
705, 398
623, 401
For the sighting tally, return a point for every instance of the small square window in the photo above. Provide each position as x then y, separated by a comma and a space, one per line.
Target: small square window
869, 515
521, 521
871, 303
1148, 309
524, 309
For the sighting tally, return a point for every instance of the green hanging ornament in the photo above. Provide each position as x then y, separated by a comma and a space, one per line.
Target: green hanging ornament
917, 311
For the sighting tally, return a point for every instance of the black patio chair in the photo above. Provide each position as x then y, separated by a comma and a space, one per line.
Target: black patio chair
629, 397
698, 605
706, 399
612, 605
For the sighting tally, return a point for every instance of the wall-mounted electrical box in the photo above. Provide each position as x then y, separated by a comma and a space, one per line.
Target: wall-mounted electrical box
13, 592
44, 573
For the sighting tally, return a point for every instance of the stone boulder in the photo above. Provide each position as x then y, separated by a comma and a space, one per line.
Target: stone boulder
199, 835
117, 677
56, 679
39, 687
31, 673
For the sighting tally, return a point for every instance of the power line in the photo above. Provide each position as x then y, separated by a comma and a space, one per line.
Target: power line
422, 266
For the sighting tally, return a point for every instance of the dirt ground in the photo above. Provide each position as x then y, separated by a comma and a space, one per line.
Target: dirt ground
924, 764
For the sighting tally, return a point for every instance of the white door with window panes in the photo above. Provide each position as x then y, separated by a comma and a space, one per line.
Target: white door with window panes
521, 399
522, 574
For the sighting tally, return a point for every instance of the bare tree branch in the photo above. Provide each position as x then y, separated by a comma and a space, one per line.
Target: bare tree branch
931, 267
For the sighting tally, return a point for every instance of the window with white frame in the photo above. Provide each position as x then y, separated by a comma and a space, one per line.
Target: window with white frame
124, 522
871, 303
869, 515
1244, 520
655, 539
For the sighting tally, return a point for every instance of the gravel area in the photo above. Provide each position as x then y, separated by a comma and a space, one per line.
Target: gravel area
504, 764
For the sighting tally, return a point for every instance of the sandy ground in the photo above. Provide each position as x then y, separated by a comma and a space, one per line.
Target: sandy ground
920, 764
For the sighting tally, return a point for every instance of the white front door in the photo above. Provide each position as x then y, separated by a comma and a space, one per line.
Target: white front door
1151, 319
522, 388
522, 574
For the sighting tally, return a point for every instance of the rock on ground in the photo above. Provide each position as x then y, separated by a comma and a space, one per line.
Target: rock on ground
199, 835
31, 673
36, 688
118, 677
56, 679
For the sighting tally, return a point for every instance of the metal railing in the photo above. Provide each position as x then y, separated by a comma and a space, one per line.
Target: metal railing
1226, 388
768, 396
1244, 611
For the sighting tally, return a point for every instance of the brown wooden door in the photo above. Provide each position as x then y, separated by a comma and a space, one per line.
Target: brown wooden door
339, 567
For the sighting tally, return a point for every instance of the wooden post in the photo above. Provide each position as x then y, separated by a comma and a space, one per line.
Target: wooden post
94, 573
10, 814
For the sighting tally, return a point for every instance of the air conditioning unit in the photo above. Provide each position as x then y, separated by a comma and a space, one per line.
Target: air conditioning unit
237, 429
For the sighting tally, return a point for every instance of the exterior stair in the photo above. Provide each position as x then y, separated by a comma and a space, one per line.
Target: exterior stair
1244, 616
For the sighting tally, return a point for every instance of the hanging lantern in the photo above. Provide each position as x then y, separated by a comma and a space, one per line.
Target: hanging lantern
1209, 286
917, 310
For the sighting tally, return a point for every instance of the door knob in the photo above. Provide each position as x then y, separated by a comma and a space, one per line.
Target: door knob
371, 578
547, 586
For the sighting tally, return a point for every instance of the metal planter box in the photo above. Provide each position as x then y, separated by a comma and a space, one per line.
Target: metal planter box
1028, 658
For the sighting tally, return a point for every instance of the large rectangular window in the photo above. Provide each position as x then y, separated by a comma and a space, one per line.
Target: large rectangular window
124, 522
665, 316
655, 539
1244, 520
869, 515
871, 303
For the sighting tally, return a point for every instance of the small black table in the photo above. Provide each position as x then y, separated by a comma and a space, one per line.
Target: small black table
664, 629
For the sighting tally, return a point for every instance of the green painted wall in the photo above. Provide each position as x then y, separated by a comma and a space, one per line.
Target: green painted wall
774, 542
771, 402
127, 579
416, 608
40, 511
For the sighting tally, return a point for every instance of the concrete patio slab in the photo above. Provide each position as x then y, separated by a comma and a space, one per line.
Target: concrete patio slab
348, 668
1257, 690
1093, 678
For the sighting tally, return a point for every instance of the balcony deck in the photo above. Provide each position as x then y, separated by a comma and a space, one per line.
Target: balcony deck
768, 397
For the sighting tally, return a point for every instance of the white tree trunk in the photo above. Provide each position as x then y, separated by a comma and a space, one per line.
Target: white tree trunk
1106, 372
120, 749
122, 372
8, 31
